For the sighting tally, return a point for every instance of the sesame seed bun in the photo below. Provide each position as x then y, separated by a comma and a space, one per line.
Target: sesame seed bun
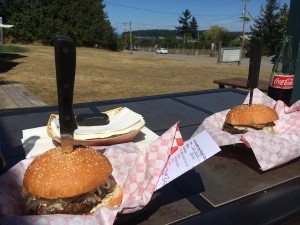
76, 182
56, 174
251, 114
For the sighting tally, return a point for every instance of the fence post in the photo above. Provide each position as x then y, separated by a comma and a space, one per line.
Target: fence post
219, 52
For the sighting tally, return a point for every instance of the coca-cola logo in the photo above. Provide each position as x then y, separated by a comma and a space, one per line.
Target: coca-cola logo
289, 81
283, 81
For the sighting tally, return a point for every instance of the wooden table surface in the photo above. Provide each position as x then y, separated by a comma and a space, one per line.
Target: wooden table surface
179, 202
16, 96
241, 82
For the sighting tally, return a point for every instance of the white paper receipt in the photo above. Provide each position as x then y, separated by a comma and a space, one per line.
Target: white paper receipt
192, 153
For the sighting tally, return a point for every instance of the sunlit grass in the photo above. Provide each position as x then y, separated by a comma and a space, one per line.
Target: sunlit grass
12, 48
104, 75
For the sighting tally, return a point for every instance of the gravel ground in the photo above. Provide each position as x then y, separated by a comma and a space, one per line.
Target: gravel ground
265, 61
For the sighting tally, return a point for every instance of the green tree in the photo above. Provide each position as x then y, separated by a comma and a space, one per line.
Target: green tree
266, 26
194, 28
40, 20
216, 34
283, 19
2, 9
185, 24
23, 15
54, 20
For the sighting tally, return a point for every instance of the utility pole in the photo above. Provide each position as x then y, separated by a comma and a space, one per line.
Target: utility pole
244, 25
244, 22
1, 33
130, 38
125, 39
125, 36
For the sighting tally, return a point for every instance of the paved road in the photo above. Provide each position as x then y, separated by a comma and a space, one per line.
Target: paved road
265, 61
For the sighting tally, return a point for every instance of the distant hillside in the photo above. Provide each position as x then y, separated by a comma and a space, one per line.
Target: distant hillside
156, 33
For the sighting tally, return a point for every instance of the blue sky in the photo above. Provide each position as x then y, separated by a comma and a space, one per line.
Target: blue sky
164, 14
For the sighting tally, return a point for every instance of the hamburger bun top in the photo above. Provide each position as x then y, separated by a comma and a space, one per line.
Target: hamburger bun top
56, 174
251, 114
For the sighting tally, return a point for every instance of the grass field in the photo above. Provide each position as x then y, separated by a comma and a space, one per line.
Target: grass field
104, 75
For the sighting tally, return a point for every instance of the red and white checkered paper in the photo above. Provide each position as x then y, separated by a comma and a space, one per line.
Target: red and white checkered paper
178, 141
271, 150
137, 172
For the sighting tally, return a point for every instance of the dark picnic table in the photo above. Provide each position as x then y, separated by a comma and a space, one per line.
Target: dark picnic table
240, 82
181, 201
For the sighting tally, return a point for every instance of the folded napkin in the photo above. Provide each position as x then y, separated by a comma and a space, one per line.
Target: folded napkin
271, 150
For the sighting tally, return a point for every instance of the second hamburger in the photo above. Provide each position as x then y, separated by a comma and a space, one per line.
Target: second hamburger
243, 118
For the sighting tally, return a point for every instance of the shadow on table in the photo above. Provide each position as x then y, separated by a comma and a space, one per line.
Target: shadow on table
6, 61
187, 186
246, 156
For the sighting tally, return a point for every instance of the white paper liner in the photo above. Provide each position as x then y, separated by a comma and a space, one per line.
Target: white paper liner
137, 172
271, 150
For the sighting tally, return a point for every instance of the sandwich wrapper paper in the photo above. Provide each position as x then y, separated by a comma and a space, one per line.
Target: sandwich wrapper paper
136, 171
122, 121
270, 150
36, 140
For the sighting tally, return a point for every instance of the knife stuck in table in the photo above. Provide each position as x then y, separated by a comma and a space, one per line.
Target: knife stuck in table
254, 66
65, 62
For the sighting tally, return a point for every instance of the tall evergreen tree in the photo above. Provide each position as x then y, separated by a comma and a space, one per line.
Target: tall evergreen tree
185, 24
40, 20
284, 14
194, 28
2, 9
266, 25
23, 15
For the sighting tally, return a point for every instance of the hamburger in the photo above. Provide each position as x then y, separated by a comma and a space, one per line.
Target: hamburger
79, 182
243, 118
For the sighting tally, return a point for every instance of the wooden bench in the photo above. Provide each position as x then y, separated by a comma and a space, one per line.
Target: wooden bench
16, 96
241, 82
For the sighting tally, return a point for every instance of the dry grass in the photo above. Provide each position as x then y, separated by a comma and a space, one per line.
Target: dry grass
103, 75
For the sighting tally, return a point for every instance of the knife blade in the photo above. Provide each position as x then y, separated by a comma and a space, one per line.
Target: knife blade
254, 66
65, 63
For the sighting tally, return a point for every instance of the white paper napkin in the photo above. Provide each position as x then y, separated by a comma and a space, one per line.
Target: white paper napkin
36, 141
120, 122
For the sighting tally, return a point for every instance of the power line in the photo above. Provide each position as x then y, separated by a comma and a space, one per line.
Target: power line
223, 21
206, 26
163, 12
136, 8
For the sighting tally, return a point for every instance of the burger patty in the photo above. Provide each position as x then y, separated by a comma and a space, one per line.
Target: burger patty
80, 204
74, 207
231, 128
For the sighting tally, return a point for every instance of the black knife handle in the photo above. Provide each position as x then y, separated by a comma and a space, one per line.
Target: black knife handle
65, 63
255, 60
93, 119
